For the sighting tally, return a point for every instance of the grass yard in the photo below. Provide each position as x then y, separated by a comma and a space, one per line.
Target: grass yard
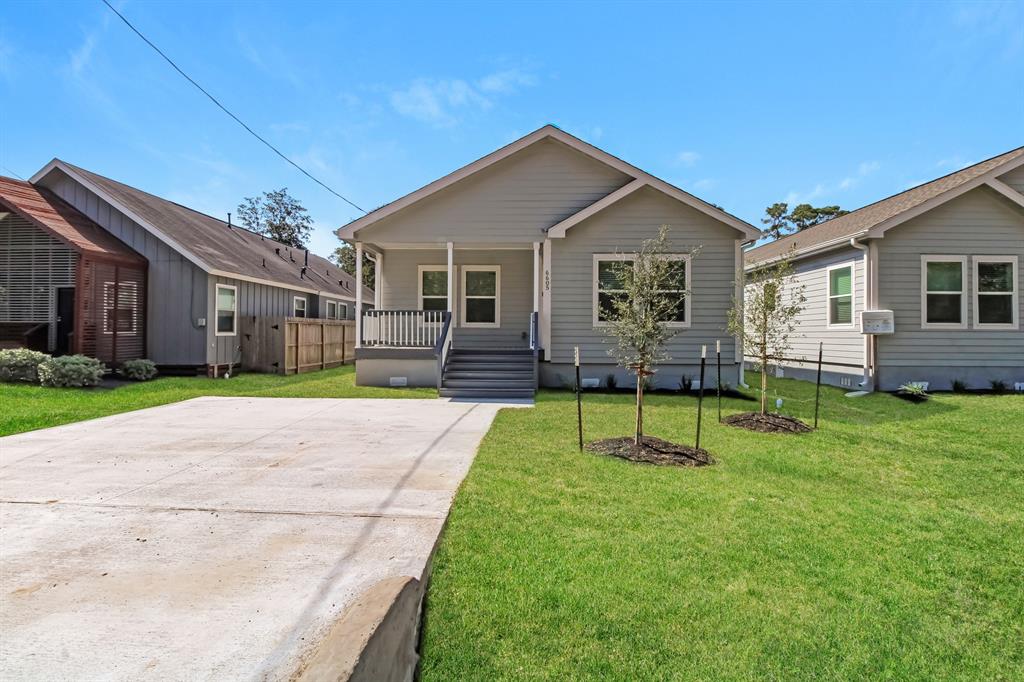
887, 545
26, 407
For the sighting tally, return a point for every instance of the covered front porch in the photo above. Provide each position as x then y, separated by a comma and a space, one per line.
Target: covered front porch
431, 300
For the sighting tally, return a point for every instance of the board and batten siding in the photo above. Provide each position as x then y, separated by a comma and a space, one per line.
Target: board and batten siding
400, 290
621, 228
253, 299
509, 202
841, 344
176, 289
978, 223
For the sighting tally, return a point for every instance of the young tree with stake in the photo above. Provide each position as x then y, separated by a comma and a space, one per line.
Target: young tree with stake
766, 318
642, 295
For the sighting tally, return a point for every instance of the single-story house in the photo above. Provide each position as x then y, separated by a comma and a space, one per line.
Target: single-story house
922, 286
91, 265
489, 277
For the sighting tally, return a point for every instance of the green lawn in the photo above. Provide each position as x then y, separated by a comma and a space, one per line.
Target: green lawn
26, 407
887, 545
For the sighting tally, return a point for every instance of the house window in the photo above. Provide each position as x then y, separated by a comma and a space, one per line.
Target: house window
995, 292
299, 306
840, 296
227, 309
433, 287
332, 310
943, 298
481, 296
342, 311
608, 287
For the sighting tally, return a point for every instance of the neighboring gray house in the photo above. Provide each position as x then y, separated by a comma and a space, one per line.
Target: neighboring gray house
937, 270
489, 276
201, 274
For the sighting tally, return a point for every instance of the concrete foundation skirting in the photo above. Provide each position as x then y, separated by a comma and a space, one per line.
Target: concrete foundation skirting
396, 372
668, 376
376, 639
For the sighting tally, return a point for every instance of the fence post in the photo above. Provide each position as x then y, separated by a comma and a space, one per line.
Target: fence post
323, 346
700, 395
817, 388
579, 399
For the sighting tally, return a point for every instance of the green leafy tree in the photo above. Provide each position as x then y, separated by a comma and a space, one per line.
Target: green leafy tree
345, 257
278, 215
645, 292
766, 317
782, 221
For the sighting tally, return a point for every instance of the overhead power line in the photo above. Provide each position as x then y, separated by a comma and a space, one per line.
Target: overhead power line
224, 108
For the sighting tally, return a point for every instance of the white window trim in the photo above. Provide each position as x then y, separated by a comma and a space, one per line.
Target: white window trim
216, 310
419, 282
1015, 301
925, 259
342, 311
627, 257
295, 305
829, 324
327, 310
496, 269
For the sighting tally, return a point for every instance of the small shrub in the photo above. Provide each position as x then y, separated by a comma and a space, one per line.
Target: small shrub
71, 371
913, 390
21, 364
139, 370
959, 386
611, 382
686, 383
998, 386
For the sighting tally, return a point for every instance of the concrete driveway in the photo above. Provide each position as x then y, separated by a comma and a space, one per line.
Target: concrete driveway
217, 538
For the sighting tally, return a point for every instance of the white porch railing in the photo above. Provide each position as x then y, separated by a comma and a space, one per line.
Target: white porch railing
402, 328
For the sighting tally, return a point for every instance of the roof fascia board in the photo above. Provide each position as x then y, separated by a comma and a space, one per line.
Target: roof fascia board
558, 230
1007, 191
830, 245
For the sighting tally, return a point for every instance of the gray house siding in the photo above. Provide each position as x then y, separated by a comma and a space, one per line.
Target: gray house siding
176, 287
1014, 178
620, 229
841, 344
400, 290
512, 201
979, 223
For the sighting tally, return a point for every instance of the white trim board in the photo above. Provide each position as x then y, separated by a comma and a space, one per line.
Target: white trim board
963, 293
463, 296
1014, 294
829, 324
216, 309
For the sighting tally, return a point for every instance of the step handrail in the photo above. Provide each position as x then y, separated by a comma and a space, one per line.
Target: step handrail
443, 346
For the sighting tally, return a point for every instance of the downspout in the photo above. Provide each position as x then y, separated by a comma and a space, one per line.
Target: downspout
868, 383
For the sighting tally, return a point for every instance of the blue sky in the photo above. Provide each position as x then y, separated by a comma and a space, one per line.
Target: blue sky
742, 104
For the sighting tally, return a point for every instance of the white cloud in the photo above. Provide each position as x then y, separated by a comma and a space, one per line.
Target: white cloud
705, 184
864, 169
687, 158
6, 52
81, 57
440, 101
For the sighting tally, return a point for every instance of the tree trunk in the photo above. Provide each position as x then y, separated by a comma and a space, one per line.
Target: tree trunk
639, 436
764, 376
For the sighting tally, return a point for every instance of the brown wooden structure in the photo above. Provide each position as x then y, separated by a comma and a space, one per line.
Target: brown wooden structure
293, 345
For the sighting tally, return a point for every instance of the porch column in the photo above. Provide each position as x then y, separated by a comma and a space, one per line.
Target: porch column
451, 280
536, 277
359, 294
378, 279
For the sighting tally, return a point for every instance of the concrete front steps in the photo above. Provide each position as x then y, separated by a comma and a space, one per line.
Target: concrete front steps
510, 374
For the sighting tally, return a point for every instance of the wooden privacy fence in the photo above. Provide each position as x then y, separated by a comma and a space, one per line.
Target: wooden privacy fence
293, 345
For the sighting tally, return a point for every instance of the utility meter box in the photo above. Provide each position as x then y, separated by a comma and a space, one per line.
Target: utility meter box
877, 322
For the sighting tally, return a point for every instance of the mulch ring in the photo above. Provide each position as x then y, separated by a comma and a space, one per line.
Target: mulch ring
767, 423
653, 451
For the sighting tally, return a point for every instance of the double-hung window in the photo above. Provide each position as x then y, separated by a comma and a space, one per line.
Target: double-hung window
481, 296
944, 292
840, 296
227, 310
433, 287
332, 310
995, 292
609, 270
299, 306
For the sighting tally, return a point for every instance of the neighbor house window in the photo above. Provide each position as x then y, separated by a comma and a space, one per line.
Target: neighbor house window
995, 292
299, 306
433, 287
332, 310
608, 286
481, 295
943, 292
840, 295
342, 311
227, 309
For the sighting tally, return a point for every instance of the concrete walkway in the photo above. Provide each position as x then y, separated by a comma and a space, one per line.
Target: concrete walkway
217, 538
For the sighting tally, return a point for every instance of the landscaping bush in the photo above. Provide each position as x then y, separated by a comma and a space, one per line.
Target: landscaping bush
139, 370
914, 391
71, 371
20, 364
998, 386
959, 386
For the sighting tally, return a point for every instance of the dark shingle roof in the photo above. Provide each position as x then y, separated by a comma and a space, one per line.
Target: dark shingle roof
234, 250
52, 214
867, 217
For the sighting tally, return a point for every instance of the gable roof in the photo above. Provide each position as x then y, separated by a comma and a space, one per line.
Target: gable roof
550, 132
55, 216
882, 215
210, 243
